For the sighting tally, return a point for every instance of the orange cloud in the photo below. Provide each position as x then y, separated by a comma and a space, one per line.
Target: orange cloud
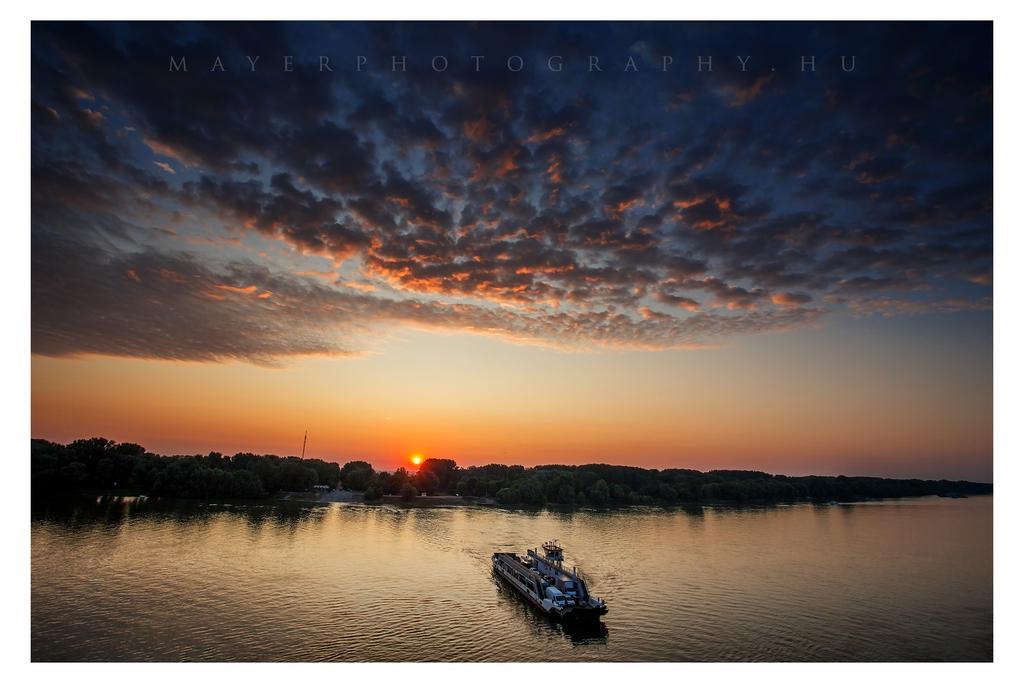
238, 290
477, 129
786, 299
94, 117
165, 150
742, 95
554, 169
545, 135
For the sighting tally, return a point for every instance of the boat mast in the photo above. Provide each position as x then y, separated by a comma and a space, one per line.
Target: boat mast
304, 435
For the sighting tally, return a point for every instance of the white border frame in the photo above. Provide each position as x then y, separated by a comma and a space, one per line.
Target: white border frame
1008, 340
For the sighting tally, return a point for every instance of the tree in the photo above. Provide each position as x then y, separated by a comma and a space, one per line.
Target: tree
566, 494
74, 474
106, 472
355, 465
428, 482
530, 492
357, 478
408, 492
394, 483
382, 480
507, 496
245, 484
666, 492
89, 464
445, 470
373, 492
294, 475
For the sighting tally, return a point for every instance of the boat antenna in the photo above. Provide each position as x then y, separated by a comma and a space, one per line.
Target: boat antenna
304, 435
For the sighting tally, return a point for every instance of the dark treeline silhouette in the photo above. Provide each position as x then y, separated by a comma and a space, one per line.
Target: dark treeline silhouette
92, 464
622, 485
89, 464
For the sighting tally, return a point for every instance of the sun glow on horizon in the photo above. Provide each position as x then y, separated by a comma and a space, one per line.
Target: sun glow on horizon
416, 459
481, 401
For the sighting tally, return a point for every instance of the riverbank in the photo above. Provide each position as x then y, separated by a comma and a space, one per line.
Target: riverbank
345, 496
444, 500
99, 464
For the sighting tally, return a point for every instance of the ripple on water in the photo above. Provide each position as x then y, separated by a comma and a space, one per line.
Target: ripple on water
174, 581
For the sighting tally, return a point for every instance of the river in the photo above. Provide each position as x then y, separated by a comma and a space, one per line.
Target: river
128, 580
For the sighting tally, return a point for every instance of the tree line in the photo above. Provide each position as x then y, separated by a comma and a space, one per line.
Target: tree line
100, 464
600, 484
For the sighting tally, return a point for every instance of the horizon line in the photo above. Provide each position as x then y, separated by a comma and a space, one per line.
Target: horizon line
503, 464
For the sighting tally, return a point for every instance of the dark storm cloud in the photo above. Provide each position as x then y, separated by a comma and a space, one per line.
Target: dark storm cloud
649, 209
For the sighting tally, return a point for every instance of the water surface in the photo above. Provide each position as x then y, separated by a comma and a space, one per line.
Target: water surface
125, 580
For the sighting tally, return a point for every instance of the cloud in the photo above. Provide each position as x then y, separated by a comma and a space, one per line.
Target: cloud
166, 306
564, 208
165, 167
889, 307
170, 306
787, 299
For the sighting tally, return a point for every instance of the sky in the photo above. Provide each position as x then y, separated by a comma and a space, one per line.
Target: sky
521, 243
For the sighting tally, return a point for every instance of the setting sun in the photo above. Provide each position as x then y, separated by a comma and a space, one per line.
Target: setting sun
416, 459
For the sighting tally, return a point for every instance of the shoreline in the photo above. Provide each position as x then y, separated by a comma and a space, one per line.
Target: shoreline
354, 498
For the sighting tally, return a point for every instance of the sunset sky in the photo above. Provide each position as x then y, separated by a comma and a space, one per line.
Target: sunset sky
775, 269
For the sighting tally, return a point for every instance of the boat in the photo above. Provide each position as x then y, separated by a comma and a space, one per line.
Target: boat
547, 585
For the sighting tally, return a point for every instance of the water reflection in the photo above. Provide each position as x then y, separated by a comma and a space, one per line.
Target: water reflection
154, 580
